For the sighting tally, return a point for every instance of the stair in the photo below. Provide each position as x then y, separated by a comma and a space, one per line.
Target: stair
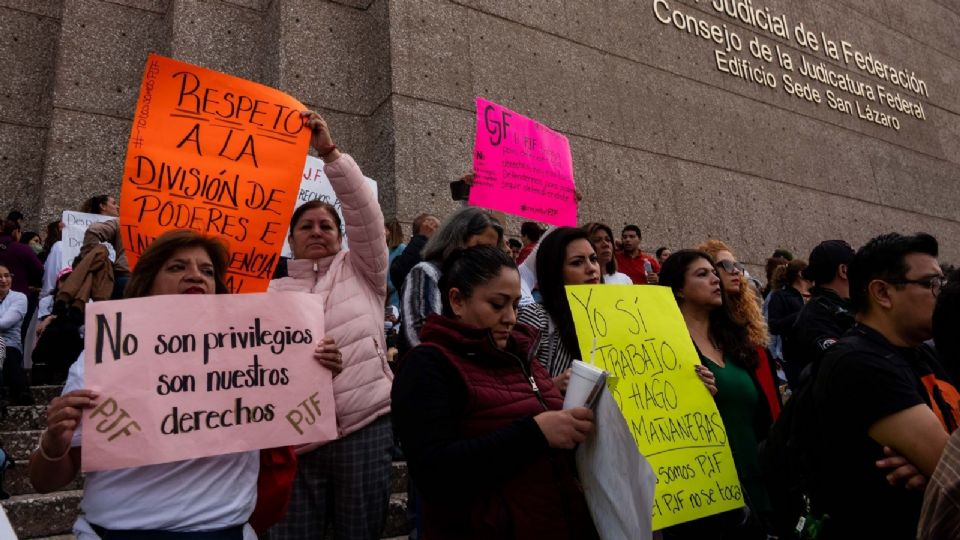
51, 516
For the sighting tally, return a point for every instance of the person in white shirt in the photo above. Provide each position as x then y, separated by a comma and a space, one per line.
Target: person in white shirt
601, 236
211, 497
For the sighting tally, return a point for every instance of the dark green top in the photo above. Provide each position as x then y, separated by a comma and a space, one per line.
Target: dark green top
737, 400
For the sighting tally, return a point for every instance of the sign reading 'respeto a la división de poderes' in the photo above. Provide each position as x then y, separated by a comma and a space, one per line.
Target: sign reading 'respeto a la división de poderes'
217, 154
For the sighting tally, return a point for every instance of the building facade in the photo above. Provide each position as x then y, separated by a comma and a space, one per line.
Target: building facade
767, 123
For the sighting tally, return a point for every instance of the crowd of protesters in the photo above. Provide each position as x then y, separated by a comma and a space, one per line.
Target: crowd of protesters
836, 378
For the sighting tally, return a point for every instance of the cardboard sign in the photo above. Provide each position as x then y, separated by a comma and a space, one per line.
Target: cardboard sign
216, 154
74, 226
315, 186
642, 341
188, 376
522, 167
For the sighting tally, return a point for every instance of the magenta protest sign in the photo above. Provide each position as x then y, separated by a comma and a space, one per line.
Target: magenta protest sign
522, 167
188, 376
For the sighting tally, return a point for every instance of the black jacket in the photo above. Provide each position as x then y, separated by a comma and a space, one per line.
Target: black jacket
783, 307
819, 325
405, 262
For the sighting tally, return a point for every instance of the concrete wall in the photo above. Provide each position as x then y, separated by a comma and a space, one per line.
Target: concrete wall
660, 136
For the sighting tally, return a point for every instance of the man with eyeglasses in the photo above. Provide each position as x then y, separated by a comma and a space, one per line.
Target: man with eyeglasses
825, 317
880, 392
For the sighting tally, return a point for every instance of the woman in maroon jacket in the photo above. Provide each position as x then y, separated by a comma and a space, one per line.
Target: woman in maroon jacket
479, 418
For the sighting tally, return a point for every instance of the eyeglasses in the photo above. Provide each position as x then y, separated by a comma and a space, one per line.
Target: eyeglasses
730, 266
934, 283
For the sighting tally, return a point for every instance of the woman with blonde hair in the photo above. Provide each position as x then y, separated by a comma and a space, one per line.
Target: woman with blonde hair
746, 311
743, 301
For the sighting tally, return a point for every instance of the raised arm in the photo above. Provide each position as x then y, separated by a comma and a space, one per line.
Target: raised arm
362, 216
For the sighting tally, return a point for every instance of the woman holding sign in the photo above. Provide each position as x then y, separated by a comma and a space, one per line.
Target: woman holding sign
728, 362
565, 256
211, 498
479, 418
351, 475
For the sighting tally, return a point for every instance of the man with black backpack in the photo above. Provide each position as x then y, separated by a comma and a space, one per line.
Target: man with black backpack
878, 387
826, 316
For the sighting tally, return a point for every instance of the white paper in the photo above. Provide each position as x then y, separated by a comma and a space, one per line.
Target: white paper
314, 185
617, 480
74, 226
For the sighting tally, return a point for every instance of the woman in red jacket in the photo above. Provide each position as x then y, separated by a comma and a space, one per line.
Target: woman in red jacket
479, 418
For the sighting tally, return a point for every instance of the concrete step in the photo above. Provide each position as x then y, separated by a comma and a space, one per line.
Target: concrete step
43, 394
20, 444
34, 515
399, 477
52, 515
24, 418
37, 516
397, 523
17, 480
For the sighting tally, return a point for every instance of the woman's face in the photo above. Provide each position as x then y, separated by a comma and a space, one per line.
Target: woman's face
36, 245
487, 237
188, 271
110, 207
701, 285
730, 271
6, 280
315, 235
664, 255
493, 305
580, 266
603, 245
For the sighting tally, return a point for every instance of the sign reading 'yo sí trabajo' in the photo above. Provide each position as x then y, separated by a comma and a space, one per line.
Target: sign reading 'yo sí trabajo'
637, 334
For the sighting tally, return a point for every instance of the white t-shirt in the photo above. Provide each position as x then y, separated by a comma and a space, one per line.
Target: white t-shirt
52, 267
194, 495
617, 278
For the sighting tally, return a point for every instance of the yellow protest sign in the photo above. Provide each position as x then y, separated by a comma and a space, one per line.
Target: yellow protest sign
642, 341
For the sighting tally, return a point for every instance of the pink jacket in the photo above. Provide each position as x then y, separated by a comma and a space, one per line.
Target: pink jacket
353, 294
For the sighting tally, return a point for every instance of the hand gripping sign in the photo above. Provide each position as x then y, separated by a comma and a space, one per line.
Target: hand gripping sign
522, 167
315, 186
217, 154
638, 335
188, 376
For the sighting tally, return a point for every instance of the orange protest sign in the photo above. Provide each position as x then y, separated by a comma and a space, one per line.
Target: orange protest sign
217, 154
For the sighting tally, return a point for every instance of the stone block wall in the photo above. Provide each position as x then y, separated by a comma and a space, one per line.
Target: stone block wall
664, 131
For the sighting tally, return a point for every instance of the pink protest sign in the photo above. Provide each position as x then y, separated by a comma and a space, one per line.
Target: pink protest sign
522, 167
188, 376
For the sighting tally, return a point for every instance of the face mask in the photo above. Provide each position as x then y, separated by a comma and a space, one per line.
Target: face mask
37, 248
